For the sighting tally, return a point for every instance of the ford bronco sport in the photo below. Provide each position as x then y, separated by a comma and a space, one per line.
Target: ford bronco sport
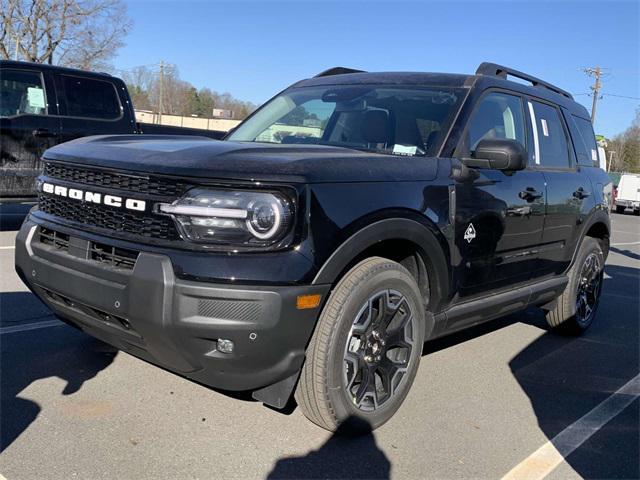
352, 217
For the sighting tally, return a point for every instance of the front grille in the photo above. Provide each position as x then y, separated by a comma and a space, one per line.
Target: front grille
58, 240
112, 256
98, 252
140, 184
109, 219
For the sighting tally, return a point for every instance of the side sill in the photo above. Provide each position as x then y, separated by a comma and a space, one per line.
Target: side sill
463, 315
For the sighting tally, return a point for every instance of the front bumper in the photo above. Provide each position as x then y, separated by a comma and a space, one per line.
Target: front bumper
147, 311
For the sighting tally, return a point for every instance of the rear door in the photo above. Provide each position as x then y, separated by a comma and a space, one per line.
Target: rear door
28, 126
499, 215
568, 187
92, 106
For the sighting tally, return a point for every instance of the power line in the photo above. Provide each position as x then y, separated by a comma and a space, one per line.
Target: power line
620, 96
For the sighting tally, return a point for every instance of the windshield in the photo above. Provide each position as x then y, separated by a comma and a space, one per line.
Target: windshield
393, 120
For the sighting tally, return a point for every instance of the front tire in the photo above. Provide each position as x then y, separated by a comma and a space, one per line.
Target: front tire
620, 209
365, 351
576, 308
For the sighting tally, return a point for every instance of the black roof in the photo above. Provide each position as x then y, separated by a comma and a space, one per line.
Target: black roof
487, 75
45, 66
390, 78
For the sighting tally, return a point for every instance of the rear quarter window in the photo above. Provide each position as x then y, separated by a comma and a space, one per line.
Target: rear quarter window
585, 141
90, 98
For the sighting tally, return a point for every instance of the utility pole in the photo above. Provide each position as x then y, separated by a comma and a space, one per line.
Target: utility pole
15, 54
611, 152
160, 92
595, 72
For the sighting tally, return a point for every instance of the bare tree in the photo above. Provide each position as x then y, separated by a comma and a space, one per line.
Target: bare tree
78, 33
626, 146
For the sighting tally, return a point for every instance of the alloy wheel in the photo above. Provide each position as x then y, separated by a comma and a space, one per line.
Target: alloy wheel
378, 350
589, 285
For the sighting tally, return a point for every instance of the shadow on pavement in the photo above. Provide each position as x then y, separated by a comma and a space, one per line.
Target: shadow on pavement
566, 377
342, 456
32, 355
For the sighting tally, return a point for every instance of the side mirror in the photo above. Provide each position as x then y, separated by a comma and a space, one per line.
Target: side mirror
498, 154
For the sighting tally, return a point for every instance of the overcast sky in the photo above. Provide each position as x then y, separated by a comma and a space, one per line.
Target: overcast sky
254, 49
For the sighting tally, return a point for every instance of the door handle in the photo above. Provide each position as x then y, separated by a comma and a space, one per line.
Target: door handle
530, 194
519, 211
580, 193
43, 132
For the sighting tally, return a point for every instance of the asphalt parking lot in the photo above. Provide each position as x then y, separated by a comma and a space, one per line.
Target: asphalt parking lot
483, 402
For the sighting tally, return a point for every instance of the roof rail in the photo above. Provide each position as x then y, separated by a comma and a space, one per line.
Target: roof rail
337, 71
494, 70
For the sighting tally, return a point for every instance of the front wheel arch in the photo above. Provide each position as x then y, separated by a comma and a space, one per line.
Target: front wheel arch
427, 241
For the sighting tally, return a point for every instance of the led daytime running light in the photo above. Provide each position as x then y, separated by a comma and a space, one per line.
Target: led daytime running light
204, 211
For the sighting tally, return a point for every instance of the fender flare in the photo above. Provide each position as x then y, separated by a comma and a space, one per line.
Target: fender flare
433, 251
598, 216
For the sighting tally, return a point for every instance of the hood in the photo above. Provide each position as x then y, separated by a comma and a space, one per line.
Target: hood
201, 157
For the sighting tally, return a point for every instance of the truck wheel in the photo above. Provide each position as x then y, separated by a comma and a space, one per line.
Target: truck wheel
576, 307
365, 351
619, 209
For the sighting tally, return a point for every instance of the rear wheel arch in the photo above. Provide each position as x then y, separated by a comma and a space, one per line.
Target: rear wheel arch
598, 226
600, 231
408, 242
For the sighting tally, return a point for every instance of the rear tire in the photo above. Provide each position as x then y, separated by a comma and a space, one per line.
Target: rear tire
365, 351
619, 209
576, 308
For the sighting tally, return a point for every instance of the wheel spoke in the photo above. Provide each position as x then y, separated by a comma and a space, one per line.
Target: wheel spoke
398, 318
382, 310
366, 386
398, 337
387, 371
352, 366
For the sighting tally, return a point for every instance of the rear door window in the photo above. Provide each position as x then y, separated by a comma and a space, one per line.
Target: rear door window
553, 148
21, 93
90, 98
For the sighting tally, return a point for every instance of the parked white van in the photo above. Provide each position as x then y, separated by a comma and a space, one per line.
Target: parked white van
628, 193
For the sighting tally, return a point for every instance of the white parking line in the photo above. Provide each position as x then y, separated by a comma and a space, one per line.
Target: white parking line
542, 462
625, 243
10, 247
30, 326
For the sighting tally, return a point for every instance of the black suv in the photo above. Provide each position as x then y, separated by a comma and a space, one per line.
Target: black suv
352, 217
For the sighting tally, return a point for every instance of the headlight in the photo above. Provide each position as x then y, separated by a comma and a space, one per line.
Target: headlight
231, 217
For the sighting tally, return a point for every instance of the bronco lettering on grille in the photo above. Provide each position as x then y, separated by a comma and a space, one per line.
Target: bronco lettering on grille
94, 197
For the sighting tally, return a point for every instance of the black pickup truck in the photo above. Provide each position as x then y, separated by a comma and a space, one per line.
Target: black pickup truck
43, 105
352, 217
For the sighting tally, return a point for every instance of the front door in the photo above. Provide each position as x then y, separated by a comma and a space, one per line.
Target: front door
28, 126
499, 216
